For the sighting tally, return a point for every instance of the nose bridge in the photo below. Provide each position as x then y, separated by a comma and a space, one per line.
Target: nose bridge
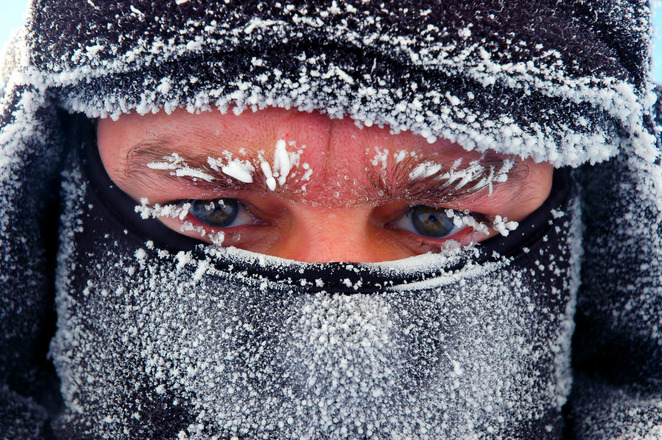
325, 235
328, 231
328, 249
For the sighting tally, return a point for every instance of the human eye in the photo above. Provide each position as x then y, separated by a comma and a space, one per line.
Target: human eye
221, 221
435, 224
220, 213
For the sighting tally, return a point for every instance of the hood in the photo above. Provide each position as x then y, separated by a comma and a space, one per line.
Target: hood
523, 85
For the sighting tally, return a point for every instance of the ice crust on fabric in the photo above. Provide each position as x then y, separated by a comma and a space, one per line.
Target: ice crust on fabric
29, 146
630, 412
232, 352
620, 272
563, 106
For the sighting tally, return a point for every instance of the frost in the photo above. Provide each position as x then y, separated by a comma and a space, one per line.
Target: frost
92, 51
136, 11
140, 254
146, 210
462, 56
464, 33
207, 332
282, 164
424, 170
462, 220
400, 156
179, 168
266, 170
503, 226
165, 86
380, 158
184, 316
557, 213
482, 176
240, 170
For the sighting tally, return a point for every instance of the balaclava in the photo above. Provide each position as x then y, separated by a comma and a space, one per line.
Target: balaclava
161, 337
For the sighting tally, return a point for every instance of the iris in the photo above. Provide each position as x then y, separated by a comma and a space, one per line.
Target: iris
219, 213
432, 222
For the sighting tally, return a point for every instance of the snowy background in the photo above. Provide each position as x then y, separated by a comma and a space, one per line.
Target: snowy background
13, 10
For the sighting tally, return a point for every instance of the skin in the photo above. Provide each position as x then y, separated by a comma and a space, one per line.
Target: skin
336, 215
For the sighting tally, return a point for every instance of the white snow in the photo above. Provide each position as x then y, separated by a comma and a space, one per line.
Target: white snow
240, 170
282, 165
269, 177
179, 168
503, 226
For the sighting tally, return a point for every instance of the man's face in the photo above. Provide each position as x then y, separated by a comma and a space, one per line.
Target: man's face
305, 187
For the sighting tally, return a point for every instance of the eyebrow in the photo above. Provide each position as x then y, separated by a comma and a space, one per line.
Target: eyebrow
435, 188
146, 152
393, 183
439, 185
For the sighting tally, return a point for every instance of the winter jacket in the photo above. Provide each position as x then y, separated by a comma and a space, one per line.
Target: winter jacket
89, 347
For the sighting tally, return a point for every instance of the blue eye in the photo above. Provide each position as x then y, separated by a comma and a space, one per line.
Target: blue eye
220, 213
429, 222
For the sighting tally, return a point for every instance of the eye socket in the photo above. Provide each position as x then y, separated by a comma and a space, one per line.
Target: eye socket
429, 221
220, 213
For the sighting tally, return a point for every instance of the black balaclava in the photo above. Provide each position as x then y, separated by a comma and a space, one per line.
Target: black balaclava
159, 337
162, 337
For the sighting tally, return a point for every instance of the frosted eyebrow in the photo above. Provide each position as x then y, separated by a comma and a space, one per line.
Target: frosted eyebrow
396, 183
410, 180
203, 175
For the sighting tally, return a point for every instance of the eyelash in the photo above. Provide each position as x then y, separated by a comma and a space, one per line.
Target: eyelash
226, 210
471, 221
445, 222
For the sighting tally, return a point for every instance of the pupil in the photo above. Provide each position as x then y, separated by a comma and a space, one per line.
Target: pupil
219, 213
432, 222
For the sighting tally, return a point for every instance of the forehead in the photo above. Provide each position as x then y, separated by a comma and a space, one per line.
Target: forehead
345, 159
321, 138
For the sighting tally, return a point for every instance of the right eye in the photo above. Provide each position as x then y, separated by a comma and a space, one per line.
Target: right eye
429, 222
220, 213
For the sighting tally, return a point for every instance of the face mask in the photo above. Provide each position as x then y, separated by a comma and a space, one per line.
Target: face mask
162, 337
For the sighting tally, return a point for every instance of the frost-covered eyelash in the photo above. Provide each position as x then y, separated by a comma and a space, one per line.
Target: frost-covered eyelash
172, 210
477, 222
180, 211
467, 219
481, 223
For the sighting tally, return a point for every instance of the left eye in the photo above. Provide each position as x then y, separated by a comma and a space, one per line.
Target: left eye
428, 221
220, 213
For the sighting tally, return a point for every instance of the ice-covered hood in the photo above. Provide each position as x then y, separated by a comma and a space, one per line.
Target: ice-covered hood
564, 82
